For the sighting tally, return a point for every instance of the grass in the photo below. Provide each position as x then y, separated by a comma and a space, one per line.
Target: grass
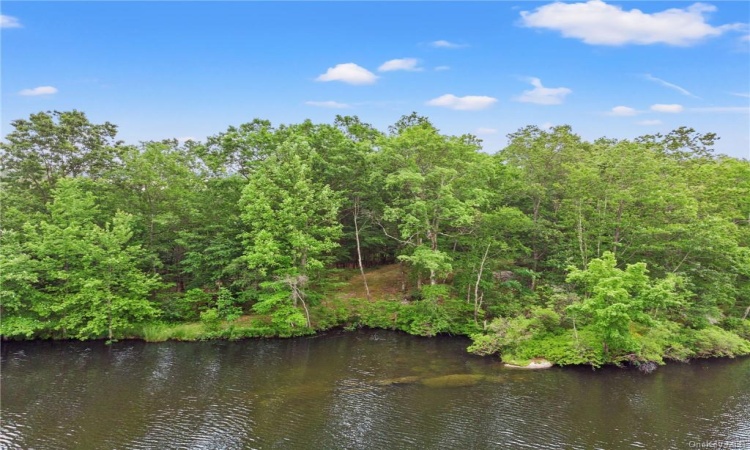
160, 332
384, 282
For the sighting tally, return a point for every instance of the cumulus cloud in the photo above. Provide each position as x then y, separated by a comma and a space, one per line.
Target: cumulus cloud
679, 89
446, 44
348, 73
408, 64
328, 104
9, 22
649, 122
673, 108
542, 95
598, 23
483, 130
467, 103
623, 111
41, 90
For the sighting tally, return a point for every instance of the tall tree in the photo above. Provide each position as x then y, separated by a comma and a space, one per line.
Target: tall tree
434, 186
291, 225
85, 282
52, 145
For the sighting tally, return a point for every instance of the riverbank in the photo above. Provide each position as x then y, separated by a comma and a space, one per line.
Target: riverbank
541, 334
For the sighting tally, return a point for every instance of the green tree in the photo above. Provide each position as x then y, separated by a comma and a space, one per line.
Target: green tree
434, 187
291, 224
615, 298
46, 147
87, 282
159, 184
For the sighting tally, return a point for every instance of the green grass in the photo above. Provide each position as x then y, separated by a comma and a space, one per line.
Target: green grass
160, 332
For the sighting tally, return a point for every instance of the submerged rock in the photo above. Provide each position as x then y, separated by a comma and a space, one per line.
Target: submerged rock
457, 380
534, 364
396, 381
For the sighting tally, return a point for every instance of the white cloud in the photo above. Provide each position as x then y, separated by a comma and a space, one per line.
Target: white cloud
41, 90
679, 89
442, 68
598, 23
328, 104
348, 73
667, 108
9, 22
446, 44
467, 103
622, 111
483, 130
408, 64
649, 123
542, 95
740, 94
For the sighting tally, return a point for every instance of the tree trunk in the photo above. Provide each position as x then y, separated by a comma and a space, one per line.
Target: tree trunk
359, 250
616, 239
477, 298
536, 254
581, 242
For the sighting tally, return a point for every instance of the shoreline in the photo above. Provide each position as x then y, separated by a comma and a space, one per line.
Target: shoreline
536, 364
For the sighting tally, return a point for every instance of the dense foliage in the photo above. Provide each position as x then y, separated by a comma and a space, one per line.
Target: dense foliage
597, 252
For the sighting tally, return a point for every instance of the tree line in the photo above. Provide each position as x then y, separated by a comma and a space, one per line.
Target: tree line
604, 251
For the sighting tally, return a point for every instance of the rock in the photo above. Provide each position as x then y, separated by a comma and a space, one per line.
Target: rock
448, 381
396, 381
533, 365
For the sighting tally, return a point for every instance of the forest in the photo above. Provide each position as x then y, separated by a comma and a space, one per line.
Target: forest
632, 251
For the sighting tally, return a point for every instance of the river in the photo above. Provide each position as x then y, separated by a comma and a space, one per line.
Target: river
369, 389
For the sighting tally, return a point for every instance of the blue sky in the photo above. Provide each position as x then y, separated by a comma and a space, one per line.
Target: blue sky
190, 69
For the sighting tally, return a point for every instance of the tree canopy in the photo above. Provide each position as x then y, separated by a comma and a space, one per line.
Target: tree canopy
630, 250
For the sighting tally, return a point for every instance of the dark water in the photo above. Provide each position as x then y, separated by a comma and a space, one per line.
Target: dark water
363, 390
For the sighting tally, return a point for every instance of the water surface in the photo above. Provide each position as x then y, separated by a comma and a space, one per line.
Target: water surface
360, 390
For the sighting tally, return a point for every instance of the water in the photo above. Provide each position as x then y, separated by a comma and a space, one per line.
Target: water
361, 390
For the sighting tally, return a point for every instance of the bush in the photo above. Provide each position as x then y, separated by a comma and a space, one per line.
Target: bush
561, 349
211, 320
714, 341
226, 305
484, 344
737, 326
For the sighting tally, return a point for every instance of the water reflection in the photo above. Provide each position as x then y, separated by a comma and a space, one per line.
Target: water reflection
370, 389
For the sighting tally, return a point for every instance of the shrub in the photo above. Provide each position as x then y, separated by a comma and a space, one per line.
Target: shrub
714, 341
226, 305
211, 320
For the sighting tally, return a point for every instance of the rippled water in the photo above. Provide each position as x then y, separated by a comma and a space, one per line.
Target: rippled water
368, 390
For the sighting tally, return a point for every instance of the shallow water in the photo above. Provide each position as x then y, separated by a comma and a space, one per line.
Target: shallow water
360, 390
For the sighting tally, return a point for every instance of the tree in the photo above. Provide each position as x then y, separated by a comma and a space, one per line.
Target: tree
291, 224
86, 281
159, 184
543, 160
434, 186
615, 298
50, 146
